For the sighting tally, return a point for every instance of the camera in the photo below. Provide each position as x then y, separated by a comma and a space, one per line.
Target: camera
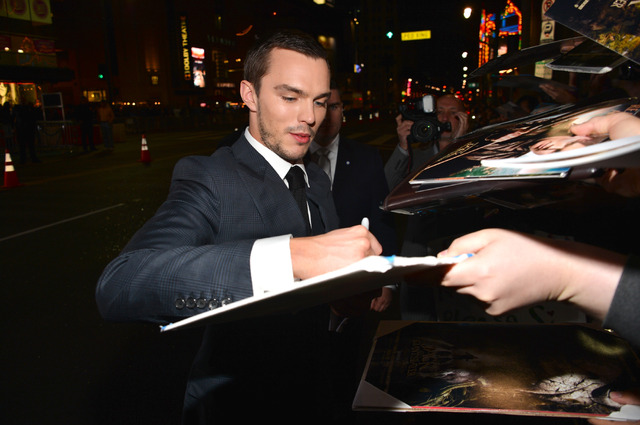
426, 128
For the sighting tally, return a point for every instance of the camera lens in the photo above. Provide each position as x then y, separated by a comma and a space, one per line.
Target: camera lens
426, 130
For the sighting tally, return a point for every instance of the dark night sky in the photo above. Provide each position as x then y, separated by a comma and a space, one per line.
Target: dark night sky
438, 60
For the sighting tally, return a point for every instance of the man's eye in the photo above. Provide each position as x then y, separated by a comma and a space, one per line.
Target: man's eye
321, 104
288, 99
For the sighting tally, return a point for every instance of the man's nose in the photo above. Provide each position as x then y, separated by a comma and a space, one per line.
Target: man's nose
445, 116
307, 113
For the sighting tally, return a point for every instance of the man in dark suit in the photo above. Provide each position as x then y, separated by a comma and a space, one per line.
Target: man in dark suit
359, 187
358, 182
230, 229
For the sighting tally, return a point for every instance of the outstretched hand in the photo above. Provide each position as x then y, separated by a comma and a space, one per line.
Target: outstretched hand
617, 125
510, 270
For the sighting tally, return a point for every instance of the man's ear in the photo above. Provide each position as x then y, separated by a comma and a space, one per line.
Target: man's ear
249, 96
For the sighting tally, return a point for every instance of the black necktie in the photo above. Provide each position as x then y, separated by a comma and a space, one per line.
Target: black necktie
298, 186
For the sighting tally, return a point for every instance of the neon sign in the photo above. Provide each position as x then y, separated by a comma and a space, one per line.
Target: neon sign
487, 33
186, 61
511, 20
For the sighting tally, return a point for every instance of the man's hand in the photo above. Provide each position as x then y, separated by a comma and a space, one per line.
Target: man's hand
622, 182
463, 125
617, 125
622, 397
382, 302
403, 129
315, 255
510, 270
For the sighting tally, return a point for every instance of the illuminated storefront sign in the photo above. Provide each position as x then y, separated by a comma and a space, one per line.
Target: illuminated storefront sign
499, 36
15, 93
186, 60
199, 73
511, 20
27, 10
416, 35
487, 34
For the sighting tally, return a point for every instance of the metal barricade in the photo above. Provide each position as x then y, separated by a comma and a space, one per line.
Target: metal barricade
57, 134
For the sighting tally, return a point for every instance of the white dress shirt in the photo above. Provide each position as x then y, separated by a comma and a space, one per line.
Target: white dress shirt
270, 260
333, 154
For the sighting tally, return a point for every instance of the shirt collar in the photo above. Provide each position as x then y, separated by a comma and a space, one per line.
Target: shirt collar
331, 147
280, 165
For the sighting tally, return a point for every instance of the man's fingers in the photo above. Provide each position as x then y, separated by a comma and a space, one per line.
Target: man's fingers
376, 247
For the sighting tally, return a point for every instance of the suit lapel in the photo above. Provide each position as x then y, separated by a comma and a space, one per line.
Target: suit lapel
275, 205
269, 194
319, 194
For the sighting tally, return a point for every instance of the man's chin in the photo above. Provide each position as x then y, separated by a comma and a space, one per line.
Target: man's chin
446, 137
296, 156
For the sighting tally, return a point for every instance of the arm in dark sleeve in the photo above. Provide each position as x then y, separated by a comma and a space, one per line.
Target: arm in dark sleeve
396, 167
177, 257
624, 314
382, 223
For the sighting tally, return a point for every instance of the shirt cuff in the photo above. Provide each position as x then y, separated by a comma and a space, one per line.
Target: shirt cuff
403, 151
271, 267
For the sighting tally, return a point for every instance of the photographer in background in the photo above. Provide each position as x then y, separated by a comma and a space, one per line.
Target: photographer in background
425, 234
405, 158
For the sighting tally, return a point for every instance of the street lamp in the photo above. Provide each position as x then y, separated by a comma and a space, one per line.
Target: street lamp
467, 12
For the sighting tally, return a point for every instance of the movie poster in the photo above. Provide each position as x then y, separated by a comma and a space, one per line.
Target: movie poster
9, 93
551, 370
499, 157
614, 24
199, 72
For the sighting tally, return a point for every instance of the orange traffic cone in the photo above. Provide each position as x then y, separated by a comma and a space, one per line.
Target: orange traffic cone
144, 153
10, 175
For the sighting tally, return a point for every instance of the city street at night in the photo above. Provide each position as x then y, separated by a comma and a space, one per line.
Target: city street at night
504, 148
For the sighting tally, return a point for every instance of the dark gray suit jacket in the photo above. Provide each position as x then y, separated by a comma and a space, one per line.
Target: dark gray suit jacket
196, 248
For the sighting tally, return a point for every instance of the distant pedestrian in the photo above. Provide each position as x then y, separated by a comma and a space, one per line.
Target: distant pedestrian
6, 121
26, 124
84, 115
106, 117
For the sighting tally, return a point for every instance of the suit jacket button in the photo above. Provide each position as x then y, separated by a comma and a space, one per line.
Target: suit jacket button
225, 301
191, 302
201, 303
179, 303
213, 304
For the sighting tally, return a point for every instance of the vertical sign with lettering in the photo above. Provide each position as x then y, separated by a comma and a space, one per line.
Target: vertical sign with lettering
184, 38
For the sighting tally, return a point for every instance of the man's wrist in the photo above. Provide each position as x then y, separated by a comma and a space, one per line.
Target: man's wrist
271, 266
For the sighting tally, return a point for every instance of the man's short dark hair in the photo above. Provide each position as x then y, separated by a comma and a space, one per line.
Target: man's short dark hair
257, 61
